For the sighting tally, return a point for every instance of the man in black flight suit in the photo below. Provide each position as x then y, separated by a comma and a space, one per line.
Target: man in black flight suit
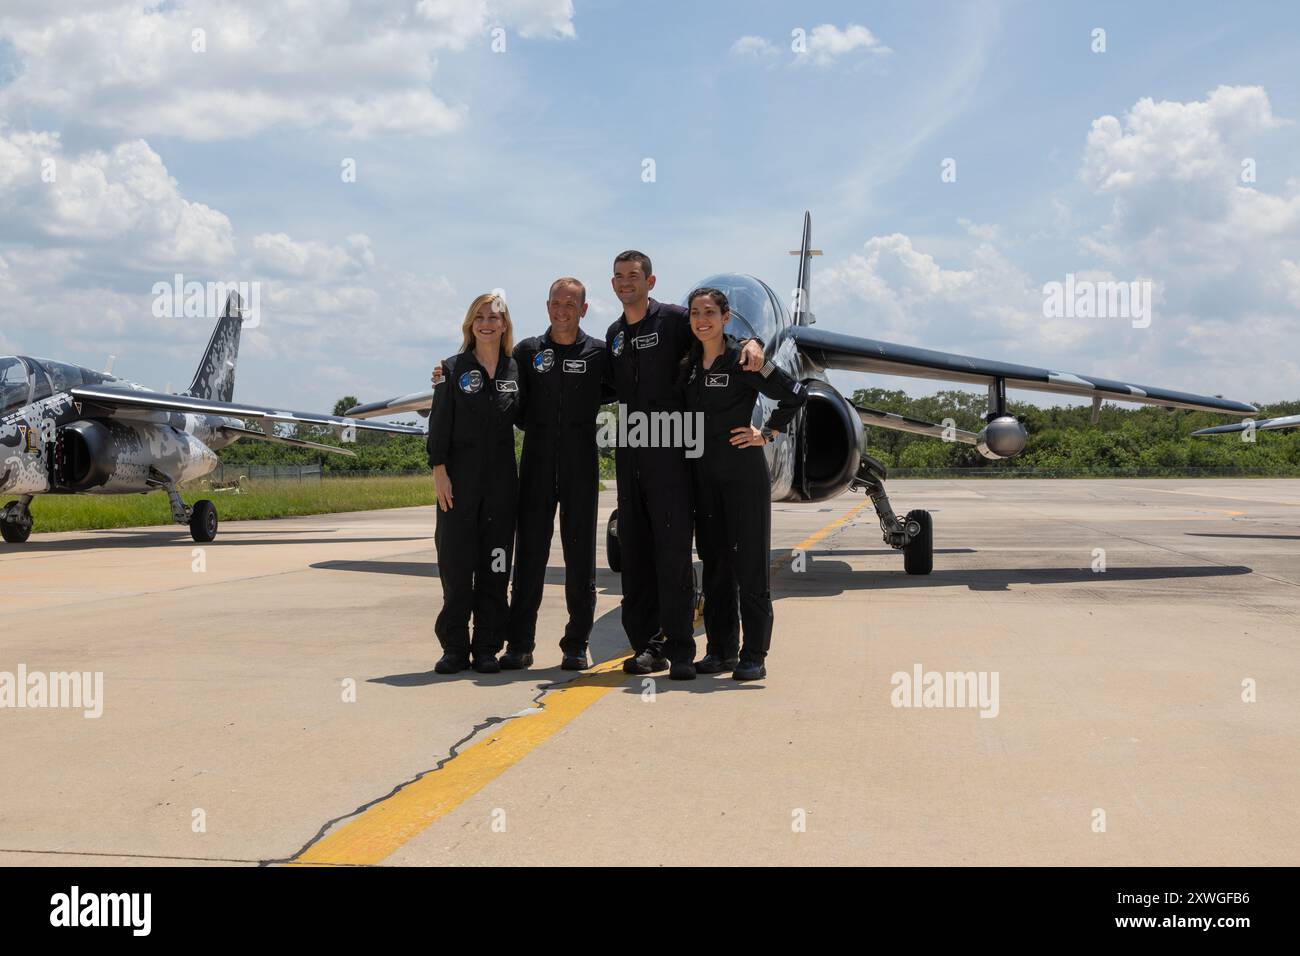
655, 519
565, 369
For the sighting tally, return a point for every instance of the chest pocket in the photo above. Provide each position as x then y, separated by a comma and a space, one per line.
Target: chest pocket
505, 391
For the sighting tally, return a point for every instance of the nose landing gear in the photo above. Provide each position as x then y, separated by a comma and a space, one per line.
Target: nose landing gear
613, 550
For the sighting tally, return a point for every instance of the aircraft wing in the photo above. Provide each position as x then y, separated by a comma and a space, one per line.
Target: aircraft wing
114, 396
414, 402
1263, 425
916, 426
281, 440
829, 350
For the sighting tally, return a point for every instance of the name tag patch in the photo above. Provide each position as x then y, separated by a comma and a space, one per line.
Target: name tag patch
575, 365
716, 380
507, 385
646, 341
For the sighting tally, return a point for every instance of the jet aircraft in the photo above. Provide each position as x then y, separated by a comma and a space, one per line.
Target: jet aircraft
65, 429
824, 452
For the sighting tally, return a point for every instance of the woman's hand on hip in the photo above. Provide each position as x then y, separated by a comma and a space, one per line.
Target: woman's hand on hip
747, 436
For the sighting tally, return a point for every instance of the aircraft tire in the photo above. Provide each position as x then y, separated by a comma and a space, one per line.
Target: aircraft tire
697, 599
613, 550
203, 521
918, 556
15, 532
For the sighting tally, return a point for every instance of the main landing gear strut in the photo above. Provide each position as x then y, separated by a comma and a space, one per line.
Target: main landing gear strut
913, 535
202, 518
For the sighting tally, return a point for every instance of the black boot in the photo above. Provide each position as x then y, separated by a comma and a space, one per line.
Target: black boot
749, 668
486, 664
647, 662
451, 662
516, 660
682, 670
575, 662
712, 663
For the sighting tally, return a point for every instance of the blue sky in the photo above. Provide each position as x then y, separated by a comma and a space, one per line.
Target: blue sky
479, 169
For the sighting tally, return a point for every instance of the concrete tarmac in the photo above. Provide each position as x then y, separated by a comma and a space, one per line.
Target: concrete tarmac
269, 698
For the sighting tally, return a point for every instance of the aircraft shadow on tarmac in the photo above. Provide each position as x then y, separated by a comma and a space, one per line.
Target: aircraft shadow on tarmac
605, 579
153, 539
419, 569
826, 578
784, 555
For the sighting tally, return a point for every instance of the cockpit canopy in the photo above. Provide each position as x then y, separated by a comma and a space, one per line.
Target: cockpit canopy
25, 380
755, 310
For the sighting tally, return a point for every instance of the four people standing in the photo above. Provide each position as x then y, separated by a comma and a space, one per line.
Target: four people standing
552, 386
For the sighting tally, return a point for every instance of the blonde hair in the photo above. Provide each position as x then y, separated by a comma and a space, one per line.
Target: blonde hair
499, 306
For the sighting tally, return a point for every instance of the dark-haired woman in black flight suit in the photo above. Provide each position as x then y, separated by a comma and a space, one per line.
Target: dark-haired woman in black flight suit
733, 505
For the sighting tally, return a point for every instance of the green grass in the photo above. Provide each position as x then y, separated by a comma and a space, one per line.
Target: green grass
259, 499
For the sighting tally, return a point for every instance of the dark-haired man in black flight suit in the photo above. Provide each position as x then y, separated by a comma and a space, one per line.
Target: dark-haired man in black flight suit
646, 345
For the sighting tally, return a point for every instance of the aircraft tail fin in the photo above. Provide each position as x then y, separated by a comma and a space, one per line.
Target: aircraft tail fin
215, 377
802, 309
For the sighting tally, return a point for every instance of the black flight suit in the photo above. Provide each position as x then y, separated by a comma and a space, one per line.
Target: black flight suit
559, 465
472, 432
654, 484
733, 504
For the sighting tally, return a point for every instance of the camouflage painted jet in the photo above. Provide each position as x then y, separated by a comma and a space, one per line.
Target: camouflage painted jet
65, 429
824, 452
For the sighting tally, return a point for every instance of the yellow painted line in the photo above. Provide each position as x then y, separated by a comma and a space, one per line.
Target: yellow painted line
812, 539
385, 827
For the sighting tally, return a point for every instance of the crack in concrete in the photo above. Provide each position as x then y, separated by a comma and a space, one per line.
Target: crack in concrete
452, 753
134, 856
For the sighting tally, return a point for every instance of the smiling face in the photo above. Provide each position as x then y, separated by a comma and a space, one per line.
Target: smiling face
630, 283
707, 319
566, 309
489, 324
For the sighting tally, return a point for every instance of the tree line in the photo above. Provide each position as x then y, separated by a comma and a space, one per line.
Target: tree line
1062, 439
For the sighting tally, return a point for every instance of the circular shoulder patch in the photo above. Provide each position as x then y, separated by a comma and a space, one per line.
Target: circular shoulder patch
543, 361
617, 347
471, 381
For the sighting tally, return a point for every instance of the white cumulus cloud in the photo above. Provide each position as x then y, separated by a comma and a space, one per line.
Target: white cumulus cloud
828, 43
754, 46
214, 69
120, 204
